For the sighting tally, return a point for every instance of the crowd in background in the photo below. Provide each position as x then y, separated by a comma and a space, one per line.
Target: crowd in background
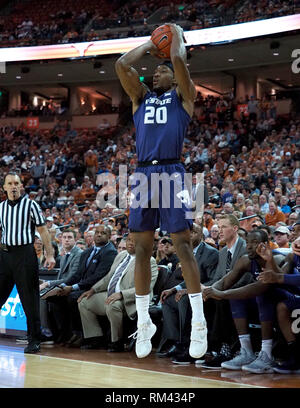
250, 162
28, 24
243, 158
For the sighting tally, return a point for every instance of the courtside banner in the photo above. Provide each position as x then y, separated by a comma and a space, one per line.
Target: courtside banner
212, 35
12, 315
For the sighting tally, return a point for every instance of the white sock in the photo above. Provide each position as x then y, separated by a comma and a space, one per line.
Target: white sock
142, 308
197, 307
266, 346
245, 341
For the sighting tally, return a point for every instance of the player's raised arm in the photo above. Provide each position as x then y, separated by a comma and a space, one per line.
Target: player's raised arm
128, 75
185, 85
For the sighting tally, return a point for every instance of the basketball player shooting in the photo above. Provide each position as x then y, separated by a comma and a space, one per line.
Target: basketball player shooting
161, 119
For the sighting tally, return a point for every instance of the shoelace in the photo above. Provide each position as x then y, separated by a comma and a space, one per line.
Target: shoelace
140, 329
133, 335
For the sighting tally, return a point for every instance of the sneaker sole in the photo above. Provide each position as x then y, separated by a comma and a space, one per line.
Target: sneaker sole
257, 371
280, 371
231, 368
209, 368
181, 363
200, 361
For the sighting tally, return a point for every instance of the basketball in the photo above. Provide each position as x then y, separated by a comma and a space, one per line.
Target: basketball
162, 38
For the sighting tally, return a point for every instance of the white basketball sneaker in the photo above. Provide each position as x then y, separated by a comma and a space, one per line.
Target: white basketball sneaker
143, 335
198, 345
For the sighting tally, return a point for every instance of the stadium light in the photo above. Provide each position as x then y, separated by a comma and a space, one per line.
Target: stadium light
214, 35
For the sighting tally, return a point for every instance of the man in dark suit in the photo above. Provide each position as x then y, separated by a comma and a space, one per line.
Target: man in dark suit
175, 302
170, 256
94, 264
69, 264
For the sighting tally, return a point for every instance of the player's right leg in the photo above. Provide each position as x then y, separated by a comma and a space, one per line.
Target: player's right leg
145, 328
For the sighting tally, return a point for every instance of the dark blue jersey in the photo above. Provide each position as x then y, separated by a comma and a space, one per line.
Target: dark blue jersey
161, 123
255, 268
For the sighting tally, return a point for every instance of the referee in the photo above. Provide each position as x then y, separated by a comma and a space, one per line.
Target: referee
18, 261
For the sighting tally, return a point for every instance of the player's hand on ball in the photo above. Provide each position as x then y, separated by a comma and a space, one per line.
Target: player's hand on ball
175, 28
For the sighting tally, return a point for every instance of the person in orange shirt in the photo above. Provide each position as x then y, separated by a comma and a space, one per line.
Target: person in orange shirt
78, 196
274, 215
231, 174
208, 219
282, 236
91, 163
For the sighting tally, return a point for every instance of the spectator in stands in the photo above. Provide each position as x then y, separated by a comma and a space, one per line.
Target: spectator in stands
37, 170
253, 108
263, 202
293, 217
277, 195
228, 208
208, 219
282, 235
284, 207
122, 245
274, 215
81, 244
214, 234
39, 249
169, 254
91, 164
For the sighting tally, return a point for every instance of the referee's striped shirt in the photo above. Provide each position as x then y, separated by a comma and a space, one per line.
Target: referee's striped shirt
18, 220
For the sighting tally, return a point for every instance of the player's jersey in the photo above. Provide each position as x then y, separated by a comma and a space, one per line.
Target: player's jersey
161, 123
255, 268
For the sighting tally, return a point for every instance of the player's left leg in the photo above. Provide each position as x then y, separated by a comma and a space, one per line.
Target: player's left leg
142, 278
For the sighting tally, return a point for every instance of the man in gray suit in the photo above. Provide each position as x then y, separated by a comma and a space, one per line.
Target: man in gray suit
112, 296
175, 302
69, 264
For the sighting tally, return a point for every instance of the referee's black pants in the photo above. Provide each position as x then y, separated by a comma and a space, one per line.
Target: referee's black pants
19, 265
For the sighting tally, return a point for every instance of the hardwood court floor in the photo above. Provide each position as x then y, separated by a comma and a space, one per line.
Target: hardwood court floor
60, 367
